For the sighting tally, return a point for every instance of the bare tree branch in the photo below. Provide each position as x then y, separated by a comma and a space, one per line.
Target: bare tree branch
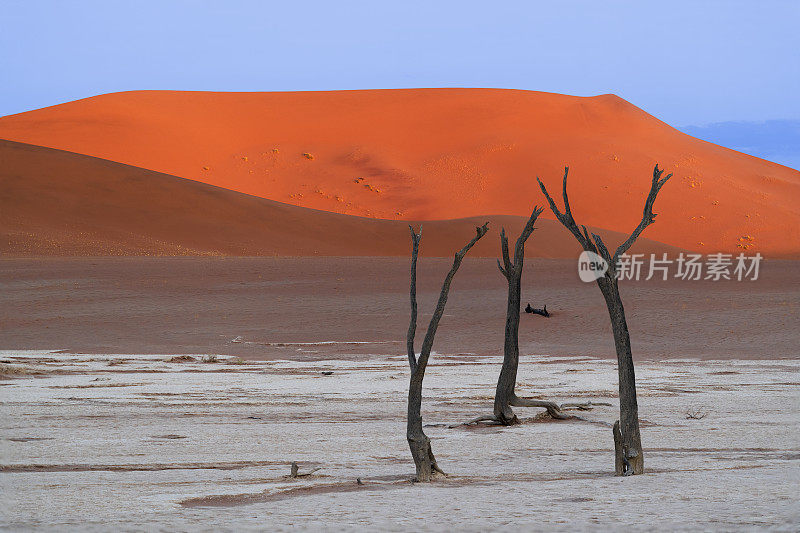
566, 217
502, 270
604, 253
567, 210
583, 406
552, 408
295, 471
507, 268
412, 327
427, 343
504, 248
490, 419
519, 248
648, 217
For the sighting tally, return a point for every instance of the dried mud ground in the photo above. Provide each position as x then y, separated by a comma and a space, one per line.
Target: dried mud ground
97, 436
147, 442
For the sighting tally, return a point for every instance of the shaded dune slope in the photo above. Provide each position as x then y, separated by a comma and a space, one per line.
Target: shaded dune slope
61, 203
438, 154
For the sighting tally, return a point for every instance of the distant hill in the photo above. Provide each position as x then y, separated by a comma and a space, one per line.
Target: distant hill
775, 140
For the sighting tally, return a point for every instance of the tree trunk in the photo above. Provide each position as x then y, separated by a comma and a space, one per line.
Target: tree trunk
619, 454
418, 442
505, 397
630, 436
506, 383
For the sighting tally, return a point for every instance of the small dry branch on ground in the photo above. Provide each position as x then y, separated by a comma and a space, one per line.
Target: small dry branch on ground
295, 471
696, 413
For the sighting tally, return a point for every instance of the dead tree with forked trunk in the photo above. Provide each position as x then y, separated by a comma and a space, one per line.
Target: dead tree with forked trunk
419, 443
629, 458
505, 394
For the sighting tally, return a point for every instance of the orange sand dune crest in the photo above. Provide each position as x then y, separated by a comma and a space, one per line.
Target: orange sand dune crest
57, 203
438, 154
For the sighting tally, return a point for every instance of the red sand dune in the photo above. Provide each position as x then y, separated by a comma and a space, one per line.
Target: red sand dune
438, 154
60, 203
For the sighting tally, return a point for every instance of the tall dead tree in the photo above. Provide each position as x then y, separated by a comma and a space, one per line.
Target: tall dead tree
505, 395
419, 443
629, 458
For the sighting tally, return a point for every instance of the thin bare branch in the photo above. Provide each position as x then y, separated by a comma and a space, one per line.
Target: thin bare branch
519, 248
552, 408
648, 217
427, 343
567, 210
566, 218
604, 253
295, 471
412, 327
592, 247
583, 406
483, 418
502, 270
504, 247
553, 207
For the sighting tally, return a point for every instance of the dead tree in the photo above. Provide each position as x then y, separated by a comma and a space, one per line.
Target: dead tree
418, 442
627, 437
505, 397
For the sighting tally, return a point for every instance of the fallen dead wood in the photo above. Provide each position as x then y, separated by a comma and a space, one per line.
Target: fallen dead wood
554, 410
295, 471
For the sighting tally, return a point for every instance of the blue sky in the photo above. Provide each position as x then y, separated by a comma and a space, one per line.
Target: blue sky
686, 62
